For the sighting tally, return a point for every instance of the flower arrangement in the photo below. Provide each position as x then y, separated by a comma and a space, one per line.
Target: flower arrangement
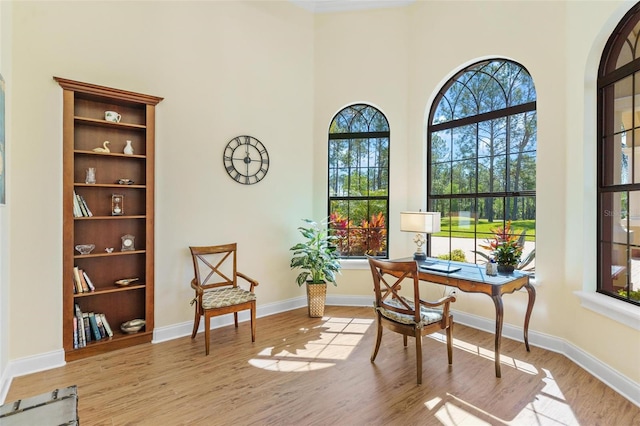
505, 247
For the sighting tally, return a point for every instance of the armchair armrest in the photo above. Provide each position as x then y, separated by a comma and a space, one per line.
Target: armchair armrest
196, 287
443, 301
250, 280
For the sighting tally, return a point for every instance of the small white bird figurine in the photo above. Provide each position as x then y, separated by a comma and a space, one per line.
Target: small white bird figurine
104, 148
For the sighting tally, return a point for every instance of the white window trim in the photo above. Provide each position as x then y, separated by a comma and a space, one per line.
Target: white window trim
612, 308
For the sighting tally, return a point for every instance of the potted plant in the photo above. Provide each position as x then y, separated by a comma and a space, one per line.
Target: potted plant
505, 248
318, 260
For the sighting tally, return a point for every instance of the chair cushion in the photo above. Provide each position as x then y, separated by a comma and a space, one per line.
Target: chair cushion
221, 297
428, 315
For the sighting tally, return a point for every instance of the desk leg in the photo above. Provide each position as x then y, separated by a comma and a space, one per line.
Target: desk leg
497, 300
532, 299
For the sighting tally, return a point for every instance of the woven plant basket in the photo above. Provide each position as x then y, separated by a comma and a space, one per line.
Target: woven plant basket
316, 295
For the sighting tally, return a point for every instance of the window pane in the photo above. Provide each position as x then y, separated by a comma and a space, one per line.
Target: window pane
617, 156
441, 178
627, 50
522, 135
441, 146
464, 142
464, 177
491, 174
338, 153
522, 172
492, 137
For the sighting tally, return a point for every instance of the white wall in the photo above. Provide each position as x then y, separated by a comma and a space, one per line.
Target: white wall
5, 70
277, 72
224, 69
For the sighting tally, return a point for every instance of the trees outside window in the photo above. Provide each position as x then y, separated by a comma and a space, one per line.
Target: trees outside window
482, 144
619, 162
359, 181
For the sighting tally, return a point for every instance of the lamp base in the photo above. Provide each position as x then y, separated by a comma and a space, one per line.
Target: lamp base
420, 257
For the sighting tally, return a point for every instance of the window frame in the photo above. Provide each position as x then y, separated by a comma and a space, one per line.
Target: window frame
433, 199
331, 199
609, 73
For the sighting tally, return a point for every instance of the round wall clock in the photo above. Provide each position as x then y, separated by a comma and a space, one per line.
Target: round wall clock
246, 160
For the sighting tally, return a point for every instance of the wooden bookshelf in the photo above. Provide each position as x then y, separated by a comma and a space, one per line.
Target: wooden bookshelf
84, 128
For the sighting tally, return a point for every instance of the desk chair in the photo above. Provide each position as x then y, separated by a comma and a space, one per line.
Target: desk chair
409, 317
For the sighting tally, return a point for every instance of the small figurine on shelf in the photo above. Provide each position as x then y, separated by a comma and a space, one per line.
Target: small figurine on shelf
117, 201
104, 148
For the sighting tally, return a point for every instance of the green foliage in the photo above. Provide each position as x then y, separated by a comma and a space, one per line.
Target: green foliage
316, 257
633, 294
456, 255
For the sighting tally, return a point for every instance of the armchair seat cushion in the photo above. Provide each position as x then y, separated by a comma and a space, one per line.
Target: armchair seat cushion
427, 315
221, 297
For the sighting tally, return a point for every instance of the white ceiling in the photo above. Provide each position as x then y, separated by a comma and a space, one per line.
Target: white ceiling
322, 6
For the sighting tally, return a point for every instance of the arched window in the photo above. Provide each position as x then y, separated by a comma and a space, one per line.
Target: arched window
619, 162
482, 160
359, 181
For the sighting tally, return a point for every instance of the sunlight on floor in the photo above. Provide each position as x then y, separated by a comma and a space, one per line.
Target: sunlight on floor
315, 348
488, 354
456, 412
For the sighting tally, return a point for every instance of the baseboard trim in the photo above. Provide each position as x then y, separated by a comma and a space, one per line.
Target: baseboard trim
29, 365
612, 378
609, 376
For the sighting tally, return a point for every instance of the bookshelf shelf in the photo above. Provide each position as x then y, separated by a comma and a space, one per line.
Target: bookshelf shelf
114, 289
84, 129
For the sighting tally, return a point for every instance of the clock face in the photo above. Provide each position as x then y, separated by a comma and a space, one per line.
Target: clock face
246, 160
127, 243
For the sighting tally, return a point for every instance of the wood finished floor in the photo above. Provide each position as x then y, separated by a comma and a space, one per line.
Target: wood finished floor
316, 371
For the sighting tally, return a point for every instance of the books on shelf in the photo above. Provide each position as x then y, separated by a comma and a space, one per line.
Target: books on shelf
79, 323
80, 207
94, 327
81, 281
89, 282
89, 327
107, 327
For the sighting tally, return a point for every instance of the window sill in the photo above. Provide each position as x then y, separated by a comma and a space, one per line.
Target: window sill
354, 263
617, 310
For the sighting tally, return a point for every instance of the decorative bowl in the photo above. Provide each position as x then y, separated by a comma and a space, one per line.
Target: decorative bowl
85, 248
132, 326
125, 281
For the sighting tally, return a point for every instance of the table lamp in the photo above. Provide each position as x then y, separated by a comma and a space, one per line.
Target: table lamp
420, 223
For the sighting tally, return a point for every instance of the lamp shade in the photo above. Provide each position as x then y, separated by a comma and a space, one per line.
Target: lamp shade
427, 222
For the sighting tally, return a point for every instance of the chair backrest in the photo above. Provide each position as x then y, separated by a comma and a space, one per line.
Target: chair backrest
387, 280
215, 266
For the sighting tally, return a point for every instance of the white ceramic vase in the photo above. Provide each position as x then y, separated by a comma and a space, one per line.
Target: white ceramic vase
128, 149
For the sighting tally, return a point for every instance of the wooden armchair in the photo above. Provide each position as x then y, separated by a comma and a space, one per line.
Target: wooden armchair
409, 317
217, 290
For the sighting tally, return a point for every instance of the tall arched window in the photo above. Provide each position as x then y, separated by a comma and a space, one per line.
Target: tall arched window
619, 162
359, 181
482, 160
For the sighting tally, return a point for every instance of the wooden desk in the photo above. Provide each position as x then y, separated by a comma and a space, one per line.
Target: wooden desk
472, 278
